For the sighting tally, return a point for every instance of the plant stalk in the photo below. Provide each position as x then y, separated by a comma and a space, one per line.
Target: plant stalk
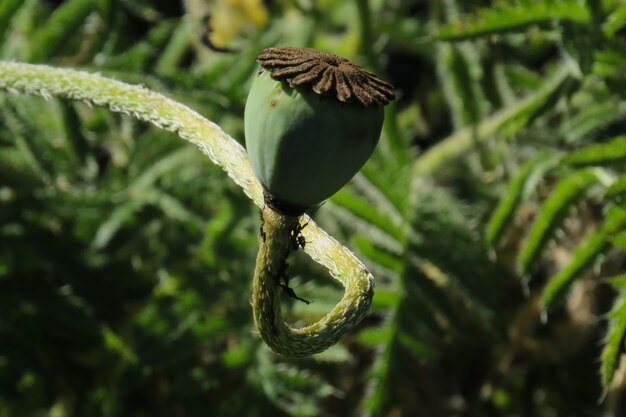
275, 245
136, 101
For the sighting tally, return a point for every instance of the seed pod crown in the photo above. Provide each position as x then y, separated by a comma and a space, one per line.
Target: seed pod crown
327, 74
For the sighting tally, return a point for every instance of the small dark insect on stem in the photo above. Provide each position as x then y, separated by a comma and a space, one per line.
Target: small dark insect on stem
296, 240
291, 293
261, 231
283, 281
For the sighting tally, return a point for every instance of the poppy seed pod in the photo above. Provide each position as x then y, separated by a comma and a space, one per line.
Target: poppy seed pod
312, 120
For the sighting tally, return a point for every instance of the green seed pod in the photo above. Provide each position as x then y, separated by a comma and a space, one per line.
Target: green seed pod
312, 120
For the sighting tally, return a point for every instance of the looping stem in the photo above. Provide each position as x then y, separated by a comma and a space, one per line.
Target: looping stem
154, 108
274, 248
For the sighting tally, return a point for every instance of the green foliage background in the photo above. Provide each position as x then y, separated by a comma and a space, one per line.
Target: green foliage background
491, 215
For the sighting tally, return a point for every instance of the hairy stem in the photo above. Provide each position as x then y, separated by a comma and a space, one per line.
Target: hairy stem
151, 107
275, 245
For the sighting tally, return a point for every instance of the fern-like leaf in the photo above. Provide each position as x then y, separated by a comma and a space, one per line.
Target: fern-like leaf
458, 74
615, 21
362, 209
585, 256
614, 342
594, 115
619, 241
617, 189
509, 120
618, 282
610, 64
552, 212
60, 27
507, 17
7, 10
377, 255
613, 152
518, 191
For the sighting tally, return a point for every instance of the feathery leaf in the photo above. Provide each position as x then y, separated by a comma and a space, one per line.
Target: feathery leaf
614, 346
551, 214
585, 255
60, 27
617, 189
520, 189
505, 17
613, 152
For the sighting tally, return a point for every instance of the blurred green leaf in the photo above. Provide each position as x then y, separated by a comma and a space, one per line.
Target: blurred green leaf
551, 214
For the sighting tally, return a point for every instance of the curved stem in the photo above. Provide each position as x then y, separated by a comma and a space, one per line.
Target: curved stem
136, 101
275, 245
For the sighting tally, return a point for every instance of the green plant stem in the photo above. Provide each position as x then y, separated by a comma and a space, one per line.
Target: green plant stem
460, 142
136, 101
365, 31
274, 248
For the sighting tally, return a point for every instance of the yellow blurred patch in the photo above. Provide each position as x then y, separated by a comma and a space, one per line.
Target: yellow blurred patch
232, 18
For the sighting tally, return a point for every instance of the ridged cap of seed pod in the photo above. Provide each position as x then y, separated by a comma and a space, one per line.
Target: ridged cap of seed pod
326, 74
